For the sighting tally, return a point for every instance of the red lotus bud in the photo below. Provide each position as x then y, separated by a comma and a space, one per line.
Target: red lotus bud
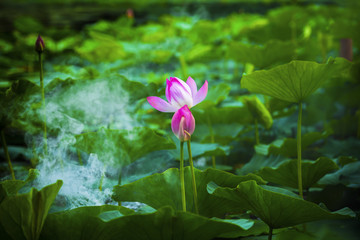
130, 13
39, 45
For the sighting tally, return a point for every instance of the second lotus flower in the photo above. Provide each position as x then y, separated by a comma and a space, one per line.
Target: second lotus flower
178, 93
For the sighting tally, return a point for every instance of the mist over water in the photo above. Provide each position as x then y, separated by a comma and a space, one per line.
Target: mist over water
82, 107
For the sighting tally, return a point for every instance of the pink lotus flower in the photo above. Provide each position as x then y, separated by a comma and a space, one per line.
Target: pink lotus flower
183, 123
178, 93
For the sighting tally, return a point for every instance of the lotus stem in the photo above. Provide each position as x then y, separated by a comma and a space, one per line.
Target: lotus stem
270, 233
236, 70
183, 66
79, 157
299, 151
193, 178
212, 138
119, 183
182, 181
43, 100
7, 156
257, 139
102, 178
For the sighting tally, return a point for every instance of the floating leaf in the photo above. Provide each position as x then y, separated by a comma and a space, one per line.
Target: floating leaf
290, 82
23, 216
123, 146
286, 174
277, 207
165, 190
89, 223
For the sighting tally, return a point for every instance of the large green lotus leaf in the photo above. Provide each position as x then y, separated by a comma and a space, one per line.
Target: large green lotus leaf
11, 187
290, 82
89, 223
23, 216
123, 146
286, 173
277, 207
80, 223
165, 190
262, 56
259, 111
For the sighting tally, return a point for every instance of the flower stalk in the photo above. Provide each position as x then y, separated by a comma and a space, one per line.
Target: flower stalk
183, 65
102, 178
192, 175
299, 151
270, 233
182, 180
7, 156
257, 138
212, 138
39, 47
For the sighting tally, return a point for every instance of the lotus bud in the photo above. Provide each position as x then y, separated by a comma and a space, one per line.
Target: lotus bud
39, 45
183, 124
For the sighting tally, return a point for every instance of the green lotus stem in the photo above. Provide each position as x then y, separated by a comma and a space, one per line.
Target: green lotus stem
79, 157
212, 138
119, 183
257, 139
7, 156
299, 151
294, 37
43, 100
183, 66
236, 70
213, 161
193, 178
270, 233
182, 181
102, 178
